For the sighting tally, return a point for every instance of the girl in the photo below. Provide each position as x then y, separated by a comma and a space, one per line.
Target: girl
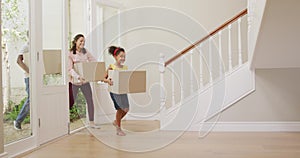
120, 100
79, 54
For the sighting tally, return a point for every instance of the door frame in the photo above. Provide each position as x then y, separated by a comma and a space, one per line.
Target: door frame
35, 31
18, 147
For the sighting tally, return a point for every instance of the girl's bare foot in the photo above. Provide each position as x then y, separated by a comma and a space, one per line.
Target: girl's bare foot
120, 132
93, 125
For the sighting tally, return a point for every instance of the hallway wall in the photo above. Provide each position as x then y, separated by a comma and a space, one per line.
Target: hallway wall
276, 99
277, 44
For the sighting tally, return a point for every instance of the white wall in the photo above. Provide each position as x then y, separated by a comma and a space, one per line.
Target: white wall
276, 99
166, 27
277, 44
206, 14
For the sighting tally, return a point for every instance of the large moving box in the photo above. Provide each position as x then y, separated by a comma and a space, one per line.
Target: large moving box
52, 61
91, 71
126, 81
26, 59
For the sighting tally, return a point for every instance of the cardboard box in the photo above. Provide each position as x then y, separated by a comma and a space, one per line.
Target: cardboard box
91, 71
127, 81
26, 59
52, 61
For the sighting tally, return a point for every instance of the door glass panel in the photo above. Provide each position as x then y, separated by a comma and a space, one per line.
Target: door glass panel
15, 45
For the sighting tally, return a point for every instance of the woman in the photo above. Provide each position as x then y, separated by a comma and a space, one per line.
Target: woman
79, 54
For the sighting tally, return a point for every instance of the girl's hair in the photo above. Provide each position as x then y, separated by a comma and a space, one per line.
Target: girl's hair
114, 51
73, 47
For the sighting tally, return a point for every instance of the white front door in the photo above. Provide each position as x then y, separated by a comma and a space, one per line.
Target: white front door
50, 88
49, 114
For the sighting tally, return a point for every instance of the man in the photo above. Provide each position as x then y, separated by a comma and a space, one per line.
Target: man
25, 108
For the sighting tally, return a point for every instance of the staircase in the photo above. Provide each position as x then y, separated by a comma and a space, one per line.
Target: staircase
208, 77
272, 30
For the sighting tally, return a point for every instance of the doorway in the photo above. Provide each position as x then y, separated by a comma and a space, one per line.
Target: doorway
45, 22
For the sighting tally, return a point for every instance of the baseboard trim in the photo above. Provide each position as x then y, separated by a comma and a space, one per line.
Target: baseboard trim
3, 155
142, 116
247, 127
108, 118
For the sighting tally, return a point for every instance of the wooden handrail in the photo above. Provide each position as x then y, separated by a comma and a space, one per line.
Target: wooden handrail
242, 13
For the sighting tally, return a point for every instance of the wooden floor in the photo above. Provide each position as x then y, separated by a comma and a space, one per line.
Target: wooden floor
150, 142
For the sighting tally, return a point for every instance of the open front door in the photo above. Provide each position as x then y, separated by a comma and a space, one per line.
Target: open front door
51, 88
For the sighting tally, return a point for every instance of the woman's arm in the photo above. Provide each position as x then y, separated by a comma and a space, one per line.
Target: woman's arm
71, 70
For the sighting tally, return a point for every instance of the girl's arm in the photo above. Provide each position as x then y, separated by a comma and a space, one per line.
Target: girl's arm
106, 79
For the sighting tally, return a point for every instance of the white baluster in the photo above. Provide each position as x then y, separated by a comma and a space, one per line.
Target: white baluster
221, 56
173, 86
182, 78
162, 86
201, 66
229, 49
191, 72
210, 59
240, 42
